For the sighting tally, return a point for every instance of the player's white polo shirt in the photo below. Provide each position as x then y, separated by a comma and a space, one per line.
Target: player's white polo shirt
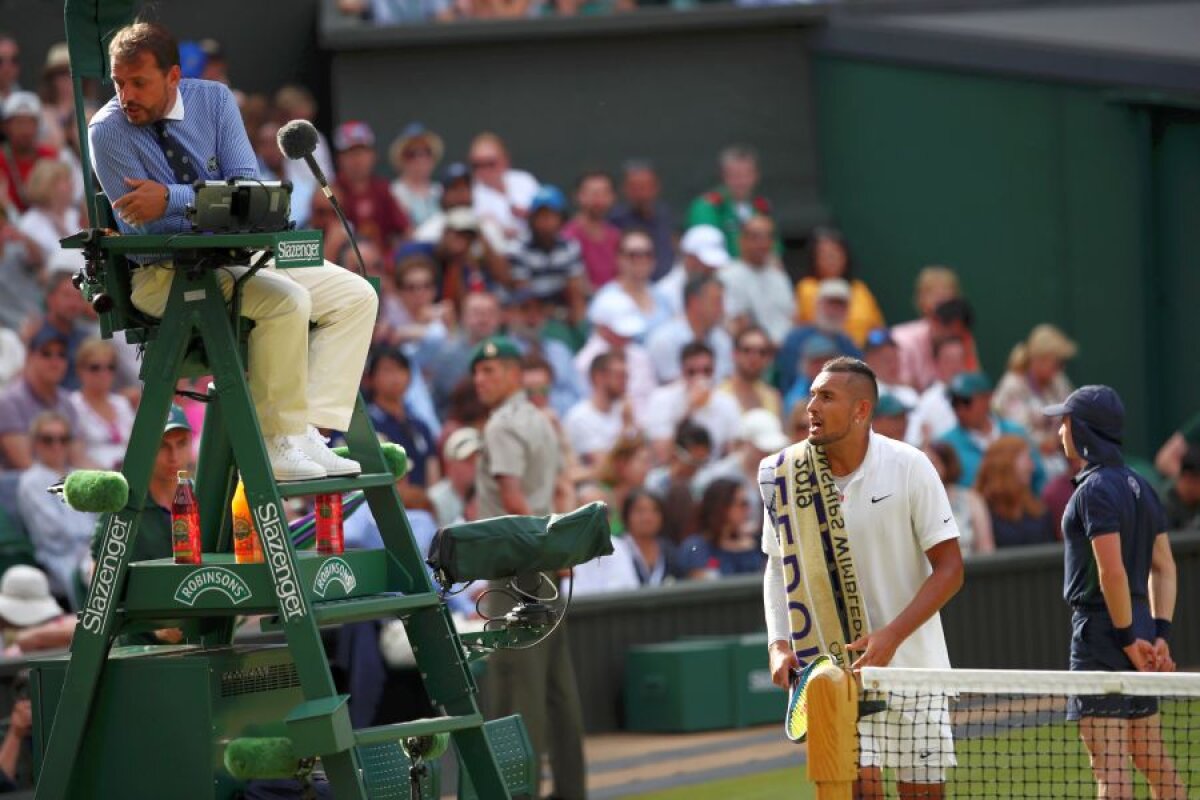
895, 509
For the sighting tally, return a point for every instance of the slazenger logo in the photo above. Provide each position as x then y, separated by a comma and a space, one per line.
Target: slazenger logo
298, 251
112, 552
214, 579
271, 529
335, 570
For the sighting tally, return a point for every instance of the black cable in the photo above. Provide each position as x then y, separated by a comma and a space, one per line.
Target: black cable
333, 201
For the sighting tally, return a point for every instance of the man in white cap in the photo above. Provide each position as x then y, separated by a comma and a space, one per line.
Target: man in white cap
449, 495
757, 289
25, 598
617, 323
30, 616
701, 249
20, 152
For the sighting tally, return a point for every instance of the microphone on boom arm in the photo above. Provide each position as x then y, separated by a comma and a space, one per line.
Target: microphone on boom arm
298, 140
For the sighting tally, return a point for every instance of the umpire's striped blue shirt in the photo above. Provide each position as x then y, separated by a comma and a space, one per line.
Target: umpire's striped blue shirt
204, 120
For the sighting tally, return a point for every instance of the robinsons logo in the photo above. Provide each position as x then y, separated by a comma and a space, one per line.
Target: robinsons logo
212, 579
335, 570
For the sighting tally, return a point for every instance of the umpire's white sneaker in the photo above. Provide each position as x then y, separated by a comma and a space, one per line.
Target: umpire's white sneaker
289, 463
313, 445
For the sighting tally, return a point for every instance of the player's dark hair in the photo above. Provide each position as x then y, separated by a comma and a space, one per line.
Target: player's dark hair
145, 37
855, 367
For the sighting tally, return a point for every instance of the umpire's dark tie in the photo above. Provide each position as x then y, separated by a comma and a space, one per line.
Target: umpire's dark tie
178, 159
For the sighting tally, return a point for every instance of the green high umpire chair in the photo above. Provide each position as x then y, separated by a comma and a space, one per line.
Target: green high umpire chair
198, 335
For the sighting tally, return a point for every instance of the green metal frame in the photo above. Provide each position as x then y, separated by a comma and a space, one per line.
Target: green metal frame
304, 591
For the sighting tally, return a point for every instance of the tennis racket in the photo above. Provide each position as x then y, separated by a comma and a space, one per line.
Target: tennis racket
795, 723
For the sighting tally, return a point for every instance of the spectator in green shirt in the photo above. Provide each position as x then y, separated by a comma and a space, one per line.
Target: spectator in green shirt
731, 204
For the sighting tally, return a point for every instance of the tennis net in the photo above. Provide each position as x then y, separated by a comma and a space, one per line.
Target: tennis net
1008, 734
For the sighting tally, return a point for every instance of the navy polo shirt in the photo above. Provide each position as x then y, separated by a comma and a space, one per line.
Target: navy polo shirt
411, 434
1109, 499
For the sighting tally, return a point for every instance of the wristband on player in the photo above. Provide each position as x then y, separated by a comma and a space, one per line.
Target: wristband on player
1125, 636
1162, 628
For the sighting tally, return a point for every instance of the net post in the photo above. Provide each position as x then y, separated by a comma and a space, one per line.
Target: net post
832, 731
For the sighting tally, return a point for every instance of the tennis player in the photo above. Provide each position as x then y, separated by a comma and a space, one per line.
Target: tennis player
905, 548
1120, 584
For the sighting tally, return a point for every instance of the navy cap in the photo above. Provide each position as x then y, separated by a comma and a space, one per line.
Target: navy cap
455, 171
1096, 405
890, 406
47, 334
414, 250
969, 384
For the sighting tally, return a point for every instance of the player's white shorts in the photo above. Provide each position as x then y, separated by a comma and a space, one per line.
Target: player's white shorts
912, 738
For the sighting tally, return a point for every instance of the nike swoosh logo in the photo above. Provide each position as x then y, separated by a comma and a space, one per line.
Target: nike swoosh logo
924, 754
947, 519
877, 499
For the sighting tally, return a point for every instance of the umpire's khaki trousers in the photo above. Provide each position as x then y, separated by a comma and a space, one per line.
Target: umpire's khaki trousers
297, 376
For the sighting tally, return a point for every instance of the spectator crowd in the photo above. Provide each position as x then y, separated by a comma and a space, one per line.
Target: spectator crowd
670, 348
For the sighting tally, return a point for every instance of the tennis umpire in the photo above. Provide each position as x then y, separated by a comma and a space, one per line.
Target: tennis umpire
149, 145
1120, 584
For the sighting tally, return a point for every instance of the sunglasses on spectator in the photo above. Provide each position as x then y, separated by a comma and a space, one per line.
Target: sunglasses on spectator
638, 253
692, 372
417, 152
48, 439
99, 367
416, 286
755, 351
484, 163
53, 354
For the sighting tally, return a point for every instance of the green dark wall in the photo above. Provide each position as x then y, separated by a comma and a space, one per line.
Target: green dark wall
1032, 192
